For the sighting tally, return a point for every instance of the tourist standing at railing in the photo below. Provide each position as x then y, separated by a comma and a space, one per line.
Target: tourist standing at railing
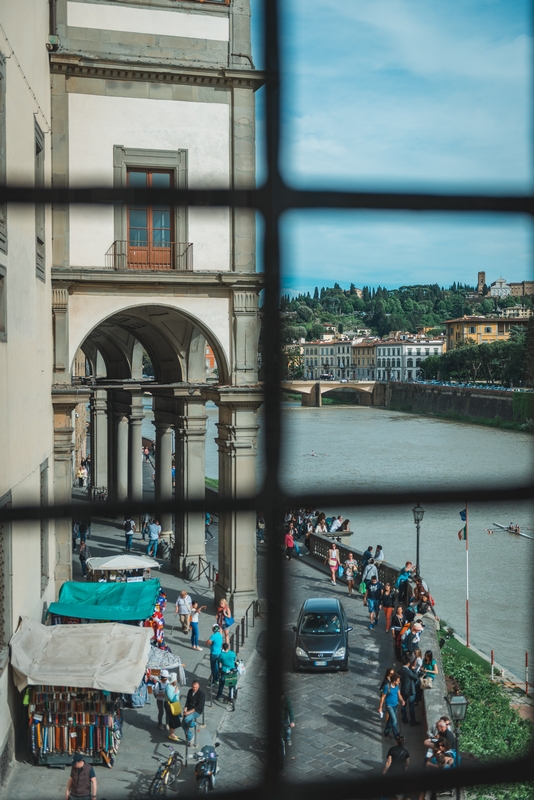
388, 604
224, 619
379, 553
367, 555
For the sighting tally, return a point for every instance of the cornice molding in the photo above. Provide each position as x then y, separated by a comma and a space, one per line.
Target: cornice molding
79, 280
80, 65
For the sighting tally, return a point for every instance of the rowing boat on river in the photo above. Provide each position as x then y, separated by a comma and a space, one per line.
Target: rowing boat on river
509, 529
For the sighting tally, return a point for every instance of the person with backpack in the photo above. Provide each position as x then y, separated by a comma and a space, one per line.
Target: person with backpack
128, 528
397, 761
409, 683
391, 697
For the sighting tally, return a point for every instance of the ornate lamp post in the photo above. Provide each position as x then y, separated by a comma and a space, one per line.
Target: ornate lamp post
457, 704
418, 514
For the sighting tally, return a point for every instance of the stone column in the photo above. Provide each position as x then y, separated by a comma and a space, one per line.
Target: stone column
190, 428
237, 442
121, 455
135, 451
99, 438
164, 468
64, 400
245, 337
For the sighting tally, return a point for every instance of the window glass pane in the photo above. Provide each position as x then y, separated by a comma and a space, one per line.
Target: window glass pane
138, 217
408, 95
136, 178
138, 236
162, 180
161, 237
161, 217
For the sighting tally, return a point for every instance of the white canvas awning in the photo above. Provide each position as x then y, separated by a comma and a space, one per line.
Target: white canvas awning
106, 656
125, 561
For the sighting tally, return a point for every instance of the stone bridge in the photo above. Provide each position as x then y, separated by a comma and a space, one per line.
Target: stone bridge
311, 392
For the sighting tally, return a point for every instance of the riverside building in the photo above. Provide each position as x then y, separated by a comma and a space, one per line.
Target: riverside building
480, 330
363, 360
401, 359
330, 359
147, 94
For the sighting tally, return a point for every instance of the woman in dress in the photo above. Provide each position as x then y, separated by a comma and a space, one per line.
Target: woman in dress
333, 561
388, 604
351, 567
193, 623
398, 621
223, 616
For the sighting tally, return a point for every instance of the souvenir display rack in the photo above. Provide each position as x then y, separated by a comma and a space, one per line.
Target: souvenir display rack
64, 720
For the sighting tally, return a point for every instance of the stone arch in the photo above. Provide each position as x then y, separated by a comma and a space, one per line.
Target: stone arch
174, 339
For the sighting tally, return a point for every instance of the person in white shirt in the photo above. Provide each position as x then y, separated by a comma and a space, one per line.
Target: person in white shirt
321, 527
183, 609
336, 524
379, 554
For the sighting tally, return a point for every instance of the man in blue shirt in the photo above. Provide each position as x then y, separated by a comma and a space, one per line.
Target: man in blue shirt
215, 644
227, 663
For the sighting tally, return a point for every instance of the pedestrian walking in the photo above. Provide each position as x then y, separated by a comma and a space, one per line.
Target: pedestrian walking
373, 597
83, 529
351, 568
154, 530
159, 694
333, 562
397, 761
289, 541
184, 604
194, 706
225, 619
215, 643
174, 708
129, 530
80, 474
85, 553
369, 572
388, 604
227, 663
260, 529
193, 622
391, 697
207, 524
82, 782
398, 621
146, 454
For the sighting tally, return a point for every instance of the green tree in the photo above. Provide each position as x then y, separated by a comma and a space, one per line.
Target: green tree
304, 313
315, 332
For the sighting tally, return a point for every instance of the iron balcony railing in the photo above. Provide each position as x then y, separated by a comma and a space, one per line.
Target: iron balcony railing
124, 255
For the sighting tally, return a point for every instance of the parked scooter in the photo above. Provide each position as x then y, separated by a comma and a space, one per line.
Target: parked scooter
207, 768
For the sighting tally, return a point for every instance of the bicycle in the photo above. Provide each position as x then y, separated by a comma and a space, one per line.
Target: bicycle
167, 773
230, 680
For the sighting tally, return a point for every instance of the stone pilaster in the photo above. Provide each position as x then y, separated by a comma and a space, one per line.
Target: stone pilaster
64, 400
164, 467
60, 305
121, 455
135, 450
245, 337
237, 443
99, 439
190, 429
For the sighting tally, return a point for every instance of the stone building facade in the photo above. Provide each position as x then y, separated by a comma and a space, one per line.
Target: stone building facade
124, 93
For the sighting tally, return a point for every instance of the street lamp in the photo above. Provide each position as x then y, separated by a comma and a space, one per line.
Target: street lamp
457, 704
418, 514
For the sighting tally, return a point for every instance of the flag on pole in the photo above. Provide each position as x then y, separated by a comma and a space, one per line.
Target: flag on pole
462, 534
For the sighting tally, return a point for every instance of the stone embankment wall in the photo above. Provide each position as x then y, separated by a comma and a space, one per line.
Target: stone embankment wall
474, 403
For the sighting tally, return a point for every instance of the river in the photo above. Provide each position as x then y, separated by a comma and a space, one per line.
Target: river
360, 447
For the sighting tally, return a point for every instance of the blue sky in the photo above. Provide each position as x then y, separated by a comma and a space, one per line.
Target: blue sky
405, 94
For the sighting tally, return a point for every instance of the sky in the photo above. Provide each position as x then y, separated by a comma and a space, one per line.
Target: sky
404, 95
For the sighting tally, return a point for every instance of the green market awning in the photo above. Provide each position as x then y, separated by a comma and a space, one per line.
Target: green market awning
106, 601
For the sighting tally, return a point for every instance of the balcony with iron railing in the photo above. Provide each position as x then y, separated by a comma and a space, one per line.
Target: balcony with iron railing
161, 257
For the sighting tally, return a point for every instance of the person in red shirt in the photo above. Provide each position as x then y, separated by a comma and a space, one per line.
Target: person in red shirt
289, 543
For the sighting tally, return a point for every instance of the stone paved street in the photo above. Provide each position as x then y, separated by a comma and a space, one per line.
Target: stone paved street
338, 731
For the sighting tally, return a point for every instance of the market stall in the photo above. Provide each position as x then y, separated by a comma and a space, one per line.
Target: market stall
107, 602
100, 663
121, 568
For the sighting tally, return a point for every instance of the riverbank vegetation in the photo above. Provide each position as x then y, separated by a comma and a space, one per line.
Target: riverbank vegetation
454, 416
492, 729
506, 362
212, 483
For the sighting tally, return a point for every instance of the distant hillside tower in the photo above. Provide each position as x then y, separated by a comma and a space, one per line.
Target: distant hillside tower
481, 282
